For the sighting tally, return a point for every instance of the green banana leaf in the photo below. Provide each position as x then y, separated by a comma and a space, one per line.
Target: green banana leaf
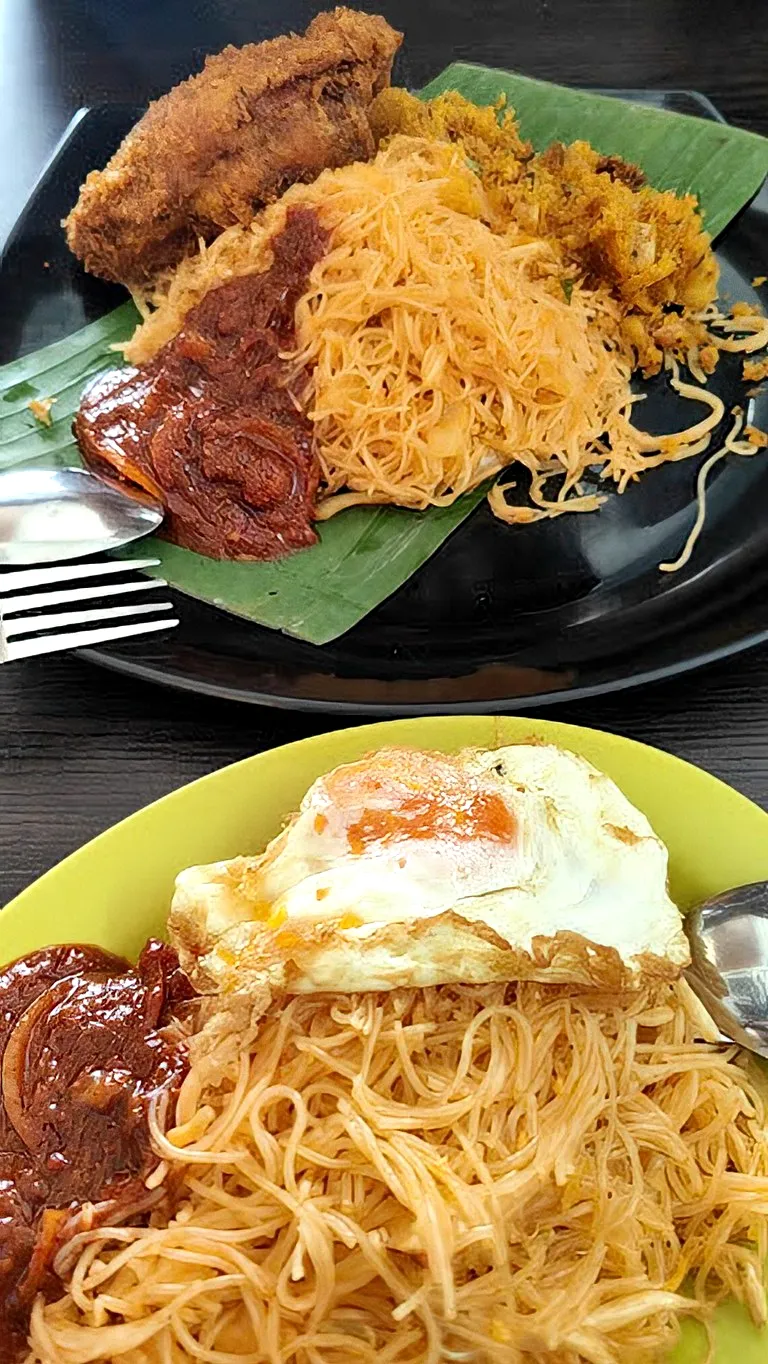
365, 554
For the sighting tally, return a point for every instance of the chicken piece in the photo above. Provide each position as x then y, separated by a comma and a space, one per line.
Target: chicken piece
219, 146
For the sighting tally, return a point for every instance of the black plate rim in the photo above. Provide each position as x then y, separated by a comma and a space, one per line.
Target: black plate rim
511, 705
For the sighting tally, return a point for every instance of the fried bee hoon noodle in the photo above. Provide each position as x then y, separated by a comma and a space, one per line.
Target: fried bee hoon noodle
443, 350
446, 341
508, 1173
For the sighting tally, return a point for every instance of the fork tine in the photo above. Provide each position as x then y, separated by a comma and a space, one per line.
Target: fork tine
61, 573
31, 625
31, 601
79, 639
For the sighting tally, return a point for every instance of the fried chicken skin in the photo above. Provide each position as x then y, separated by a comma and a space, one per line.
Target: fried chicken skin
220, 145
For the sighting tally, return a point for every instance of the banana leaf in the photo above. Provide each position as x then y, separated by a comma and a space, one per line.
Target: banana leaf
365, 554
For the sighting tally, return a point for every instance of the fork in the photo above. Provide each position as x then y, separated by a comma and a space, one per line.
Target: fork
53, 627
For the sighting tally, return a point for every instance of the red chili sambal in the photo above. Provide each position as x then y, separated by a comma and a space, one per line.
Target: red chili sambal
214, 425
87, 1043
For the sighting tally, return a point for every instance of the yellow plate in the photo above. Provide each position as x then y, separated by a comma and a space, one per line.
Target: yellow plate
116, 890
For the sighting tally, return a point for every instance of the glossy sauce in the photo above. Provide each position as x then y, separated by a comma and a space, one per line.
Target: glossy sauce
86, 1046
213, 425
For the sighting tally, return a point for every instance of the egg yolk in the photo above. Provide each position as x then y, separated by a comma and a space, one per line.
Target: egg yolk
429, 815
401, 793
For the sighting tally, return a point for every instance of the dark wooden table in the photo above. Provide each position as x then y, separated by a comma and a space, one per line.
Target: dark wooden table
79, 748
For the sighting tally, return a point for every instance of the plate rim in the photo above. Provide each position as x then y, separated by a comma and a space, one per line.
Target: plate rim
320, 752
127, 666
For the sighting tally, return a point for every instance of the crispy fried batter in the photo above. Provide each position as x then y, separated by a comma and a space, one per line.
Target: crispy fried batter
220, 145
646, 244
489, 134
755, 371
618, 169
606, 224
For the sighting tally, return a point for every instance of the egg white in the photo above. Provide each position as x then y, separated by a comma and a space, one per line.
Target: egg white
579, 877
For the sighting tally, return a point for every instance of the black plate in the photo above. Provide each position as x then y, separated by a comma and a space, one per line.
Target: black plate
499, 617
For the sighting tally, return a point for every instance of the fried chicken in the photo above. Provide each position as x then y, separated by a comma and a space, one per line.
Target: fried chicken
219, 146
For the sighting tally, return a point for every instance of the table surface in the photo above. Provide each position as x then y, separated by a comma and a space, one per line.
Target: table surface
81, 748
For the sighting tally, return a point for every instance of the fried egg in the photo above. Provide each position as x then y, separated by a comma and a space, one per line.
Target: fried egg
411, 868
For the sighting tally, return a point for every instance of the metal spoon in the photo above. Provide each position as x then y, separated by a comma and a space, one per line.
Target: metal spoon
729, 962
52, 514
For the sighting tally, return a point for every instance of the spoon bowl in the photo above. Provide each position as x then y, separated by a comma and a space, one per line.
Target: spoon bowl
47, 515
729, 963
